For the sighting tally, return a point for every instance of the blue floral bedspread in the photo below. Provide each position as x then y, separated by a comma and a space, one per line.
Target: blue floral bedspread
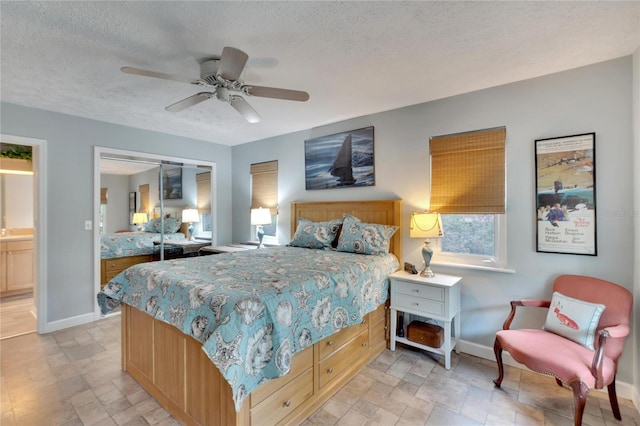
253, 310
132, 243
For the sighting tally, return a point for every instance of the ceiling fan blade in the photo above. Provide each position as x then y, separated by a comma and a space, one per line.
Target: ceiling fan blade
189, 102
273, 92
232, 63
244, 109
145, 73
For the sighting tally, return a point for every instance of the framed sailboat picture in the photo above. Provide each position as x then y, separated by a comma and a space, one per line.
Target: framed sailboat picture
341, 160
171, 183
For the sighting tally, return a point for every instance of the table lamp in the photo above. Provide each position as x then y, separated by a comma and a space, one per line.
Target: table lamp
426, 225
190, 216
139, 219
260, 217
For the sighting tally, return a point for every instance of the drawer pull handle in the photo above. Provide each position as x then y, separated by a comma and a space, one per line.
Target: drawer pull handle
287, 403
416, 304
364, 344
364, 321
416, 290
386, 328
330, 343
330, 370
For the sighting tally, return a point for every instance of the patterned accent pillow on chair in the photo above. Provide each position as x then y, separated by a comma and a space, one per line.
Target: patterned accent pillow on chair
574, 319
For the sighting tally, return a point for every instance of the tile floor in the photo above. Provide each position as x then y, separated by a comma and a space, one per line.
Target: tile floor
16, 315
73, 377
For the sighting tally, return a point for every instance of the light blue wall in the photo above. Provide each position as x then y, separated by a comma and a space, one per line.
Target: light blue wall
595, 98
70, 174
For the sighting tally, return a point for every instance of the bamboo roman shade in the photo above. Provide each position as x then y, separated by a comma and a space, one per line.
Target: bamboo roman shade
264, 186
144, 198
203, 183
468, 172
103, 195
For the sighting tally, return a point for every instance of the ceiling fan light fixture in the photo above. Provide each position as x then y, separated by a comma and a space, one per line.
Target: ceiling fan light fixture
222, 75
223, 94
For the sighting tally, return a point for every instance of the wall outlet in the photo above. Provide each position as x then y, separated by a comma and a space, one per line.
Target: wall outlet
88, 225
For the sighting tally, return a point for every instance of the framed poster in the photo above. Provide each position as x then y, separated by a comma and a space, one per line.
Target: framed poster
566, 194
340, 160
171, 183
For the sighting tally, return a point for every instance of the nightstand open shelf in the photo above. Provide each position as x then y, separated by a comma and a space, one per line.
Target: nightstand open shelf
437, 298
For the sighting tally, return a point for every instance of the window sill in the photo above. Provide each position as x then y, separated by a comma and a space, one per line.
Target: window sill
475, 267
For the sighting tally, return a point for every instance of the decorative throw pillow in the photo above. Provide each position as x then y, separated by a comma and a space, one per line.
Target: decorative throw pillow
151, 225
364, 238
315, 234
171, 225
574, 319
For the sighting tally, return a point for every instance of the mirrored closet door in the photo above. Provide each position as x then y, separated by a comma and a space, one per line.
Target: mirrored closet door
152, 210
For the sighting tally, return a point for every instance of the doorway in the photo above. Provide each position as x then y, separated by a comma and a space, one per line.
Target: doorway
22, 235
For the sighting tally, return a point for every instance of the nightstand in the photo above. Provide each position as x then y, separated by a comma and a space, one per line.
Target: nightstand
437, 298
189, 247
227, 248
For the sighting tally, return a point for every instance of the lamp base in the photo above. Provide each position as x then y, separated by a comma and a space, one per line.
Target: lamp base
427, 272
191, 238
427, 252
260, 235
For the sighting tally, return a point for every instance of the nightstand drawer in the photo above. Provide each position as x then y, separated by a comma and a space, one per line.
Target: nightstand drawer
420, 290
424, 306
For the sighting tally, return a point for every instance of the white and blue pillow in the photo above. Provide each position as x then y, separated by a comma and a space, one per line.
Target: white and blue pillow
171, 225
574, 319
317, 235
364, 238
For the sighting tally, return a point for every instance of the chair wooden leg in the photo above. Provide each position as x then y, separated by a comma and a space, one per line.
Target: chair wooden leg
580, 391
613, 400
497, 349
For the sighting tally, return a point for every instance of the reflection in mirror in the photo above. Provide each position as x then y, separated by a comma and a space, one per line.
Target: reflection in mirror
160, 190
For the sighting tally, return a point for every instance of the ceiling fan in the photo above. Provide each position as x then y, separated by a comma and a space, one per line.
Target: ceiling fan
222, 77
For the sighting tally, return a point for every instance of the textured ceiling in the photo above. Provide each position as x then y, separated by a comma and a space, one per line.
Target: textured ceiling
354, 58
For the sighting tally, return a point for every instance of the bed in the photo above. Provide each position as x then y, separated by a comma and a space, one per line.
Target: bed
120, 250
169, 348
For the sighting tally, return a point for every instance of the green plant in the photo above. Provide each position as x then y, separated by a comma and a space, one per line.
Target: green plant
16, 151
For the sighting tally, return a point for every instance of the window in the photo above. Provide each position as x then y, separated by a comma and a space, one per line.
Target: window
468, 190
264, 193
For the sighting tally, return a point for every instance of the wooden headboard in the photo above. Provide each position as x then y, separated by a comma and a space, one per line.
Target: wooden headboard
384, 212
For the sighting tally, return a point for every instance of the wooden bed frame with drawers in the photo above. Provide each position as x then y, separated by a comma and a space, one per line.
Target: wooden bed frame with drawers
172, 367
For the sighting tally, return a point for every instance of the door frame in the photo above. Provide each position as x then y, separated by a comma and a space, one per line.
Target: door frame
39, 162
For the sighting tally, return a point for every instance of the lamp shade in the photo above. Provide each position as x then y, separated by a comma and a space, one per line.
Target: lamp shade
139, 218
190, 216
260, 216
425, 225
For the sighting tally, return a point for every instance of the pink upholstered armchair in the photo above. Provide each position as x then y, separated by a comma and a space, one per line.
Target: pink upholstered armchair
569, 362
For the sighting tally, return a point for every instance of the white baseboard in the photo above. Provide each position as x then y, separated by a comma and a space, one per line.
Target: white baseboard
623, 389
68, 322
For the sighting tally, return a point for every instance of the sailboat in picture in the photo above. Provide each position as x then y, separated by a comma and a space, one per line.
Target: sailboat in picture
342, 167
